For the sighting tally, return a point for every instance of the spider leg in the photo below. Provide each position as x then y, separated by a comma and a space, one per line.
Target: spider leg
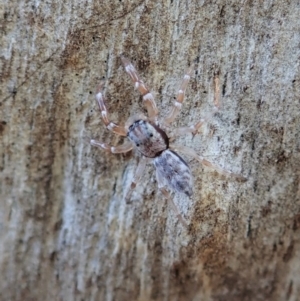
148, 98
217, 102
115, 128
195, 127
190, 152
167, 195
124, 148
138, 174
180, 97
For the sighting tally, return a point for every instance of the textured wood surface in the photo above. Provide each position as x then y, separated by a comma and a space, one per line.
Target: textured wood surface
65, 232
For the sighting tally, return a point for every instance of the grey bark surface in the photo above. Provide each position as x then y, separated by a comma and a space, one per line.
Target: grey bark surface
65, 230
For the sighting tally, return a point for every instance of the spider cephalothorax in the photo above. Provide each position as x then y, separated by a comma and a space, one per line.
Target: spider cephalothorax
150, 139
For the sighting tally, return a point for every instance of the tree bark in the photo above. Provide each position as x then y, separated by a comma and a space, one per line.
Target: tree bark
66, 232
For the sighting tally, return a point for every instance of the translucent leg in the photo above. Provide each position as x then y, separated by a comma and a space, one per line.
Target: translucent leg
124, 148
148, 98
195, 128
167, 195
217, 95
174, 207
190, 152
115, 128
138, 174
180, 97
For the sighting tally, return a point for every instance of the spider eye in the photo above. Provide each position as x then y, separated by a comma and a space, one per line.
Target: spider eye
137, 144
151, 135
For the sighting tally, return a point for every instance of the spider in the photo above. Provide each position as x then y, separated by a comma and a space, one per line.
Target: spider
149, 137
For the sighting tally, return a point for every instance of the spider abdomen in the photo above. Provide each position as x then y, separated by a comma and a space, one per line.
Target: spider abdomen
149, 139
174, 171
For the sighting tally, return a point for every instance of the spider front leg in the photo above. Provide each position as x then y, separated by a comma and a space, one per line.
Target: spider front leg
148, 98
124, 148
138, 174
180, 97
190, 152
115, 128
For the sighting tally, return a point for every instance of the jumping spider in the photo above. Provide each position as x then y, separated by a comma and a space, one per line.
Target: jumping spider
148, 136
